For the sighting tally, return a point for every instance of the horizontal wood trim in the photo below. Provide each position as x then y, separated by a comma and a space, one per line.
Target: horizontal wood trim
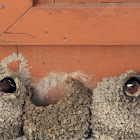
77, 24
91, 1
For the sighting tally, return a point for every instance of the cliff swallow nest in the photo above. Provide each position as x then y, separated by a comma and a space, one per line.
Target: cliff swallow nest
116, 114
67, 119
111, 111
11, 106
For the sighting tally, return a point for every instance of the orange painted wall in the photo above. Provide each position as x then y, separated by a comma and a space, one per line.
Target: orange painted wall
98, 61
81, 1
90, 1
43, 1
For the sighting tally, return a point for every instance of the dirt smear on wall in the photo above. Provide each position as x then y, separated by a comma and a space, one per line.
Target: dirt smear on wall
55, 82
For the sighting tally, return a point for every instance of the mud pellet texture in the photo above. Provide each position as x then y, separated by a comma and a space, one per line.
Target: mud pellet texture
66, 120
11, 108
115, 116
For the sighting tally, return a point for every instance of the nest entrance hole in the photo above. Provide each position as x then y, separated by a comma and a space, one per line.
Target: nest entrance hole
132, 86
8, 85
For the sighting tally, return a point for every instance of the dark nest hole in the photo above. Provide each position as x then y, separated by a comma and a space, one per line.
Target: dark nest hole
35, 98
132, 87
132, 79
8, 85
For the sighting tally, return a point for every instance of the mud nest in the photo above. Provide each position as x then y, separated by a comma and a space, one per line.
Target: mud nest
12, 97
115, 115
67, 119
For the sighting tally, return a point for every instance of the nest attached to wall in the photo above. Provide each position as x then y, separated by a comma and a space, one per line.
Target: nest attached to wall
11, 106
115, 115
67, 119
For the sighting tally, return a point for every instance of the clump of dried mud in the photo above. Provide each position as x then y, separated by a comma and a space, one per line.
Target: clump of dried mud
11, 108
115, 116
67, 119
20, 138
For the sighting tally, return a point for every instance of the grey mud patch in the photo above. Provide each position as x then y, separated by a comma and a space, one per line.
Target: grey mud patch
57, 80
114, 116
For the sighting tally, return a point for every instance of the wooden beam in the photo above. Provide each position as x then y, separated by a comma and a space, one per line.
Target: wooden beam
43, 1
91, 1
77, 24
11, 11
